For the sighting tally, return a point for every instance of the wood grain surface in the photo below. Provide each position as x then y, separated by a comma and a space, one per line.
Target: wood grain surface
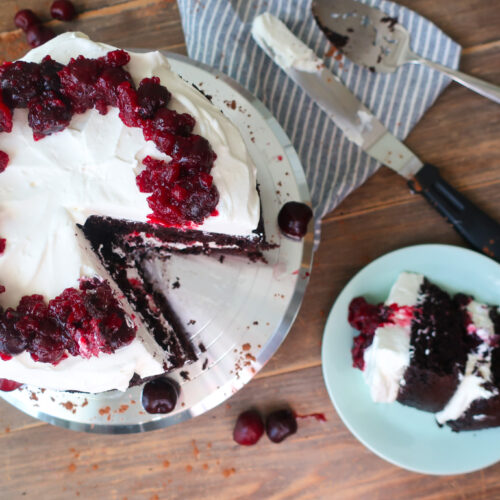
198, 459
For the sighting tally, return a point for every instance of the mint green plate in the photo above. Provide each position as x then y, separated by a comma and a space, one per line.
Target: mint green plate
401, 435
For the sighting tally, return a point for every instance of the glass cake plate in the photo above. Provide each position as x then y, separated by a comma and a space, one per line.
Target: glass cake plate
237, 313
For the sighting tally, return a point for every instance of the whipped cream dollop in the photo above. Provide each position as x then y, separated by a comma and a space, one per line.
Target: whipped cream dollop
52, 185
388, 357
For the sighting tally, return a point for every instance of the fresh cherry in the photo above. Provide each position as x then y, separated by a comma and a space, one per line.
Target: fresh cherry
293, 219
248, 428
159, 396
63, 10
7, 385
38, 34
26, 18
280, 424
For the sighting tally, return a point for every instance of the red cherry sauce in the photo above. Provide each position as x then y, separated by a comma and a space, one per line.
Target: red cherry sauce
366, 318
83, 322
7, 385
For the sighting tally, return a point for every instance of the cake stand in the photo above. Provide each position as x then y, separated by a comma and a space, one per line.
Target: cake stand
237, 313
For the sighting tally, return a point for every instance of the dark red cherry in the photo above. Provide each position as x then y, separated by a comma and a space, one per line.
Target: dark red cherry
159, 396
280, 424
26, 18
7, 385
38, 34
63, 10
293, 219
248, 428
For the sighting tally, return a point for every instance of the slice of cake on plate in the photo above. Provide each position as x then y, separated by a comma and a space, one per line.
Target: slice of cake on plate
411, 348
426, 349
106, 155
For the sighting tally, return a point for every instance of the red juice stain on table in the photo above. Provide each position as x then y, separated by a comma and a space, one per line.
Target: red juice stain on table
318, 416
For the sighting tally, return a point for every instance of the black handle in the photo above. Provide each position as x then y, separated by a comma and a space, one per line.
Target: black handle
480, 230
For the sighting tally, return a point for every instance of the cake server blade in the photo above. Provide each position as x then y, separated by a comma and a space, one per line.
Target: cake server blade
361, 127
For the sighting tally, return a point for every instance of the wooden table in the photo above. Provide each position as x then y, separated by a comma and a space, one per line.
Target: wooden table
198, 459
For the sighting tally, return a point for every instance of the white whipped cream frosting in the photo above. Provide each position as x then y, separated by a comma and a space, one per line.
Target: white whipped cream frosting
272, 35
477, 368
388, 356
88, 169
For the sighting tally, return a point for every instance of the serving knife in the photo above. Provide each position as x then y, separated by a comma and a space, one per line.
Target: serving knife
364, 129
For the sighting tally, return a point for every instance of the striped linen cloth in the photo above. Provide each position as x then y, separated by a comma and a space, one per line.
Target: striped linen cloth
218, 34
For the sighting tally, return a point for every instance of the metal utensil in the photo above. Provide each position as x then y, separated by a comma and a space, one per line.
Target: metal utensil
371, 38
364, 129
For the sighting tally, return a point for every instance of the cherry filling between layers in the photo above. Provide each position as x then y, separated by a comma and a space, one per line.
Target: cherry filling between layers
82, 322
88, 321
182, 193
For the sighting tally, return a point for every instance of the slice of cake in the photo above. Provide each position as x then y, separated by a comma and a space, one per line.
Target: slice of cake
412, 348
476, 402
105, 155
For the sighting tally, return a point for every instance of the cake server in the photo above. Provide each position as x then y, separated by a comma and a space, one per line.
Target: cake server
371, 38
364, 129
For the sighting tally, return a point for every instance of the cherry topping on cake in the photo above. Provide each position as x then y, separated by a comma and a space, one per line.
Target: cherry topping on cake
159, 396
293, 219
366, 318
81, 322
248, 428
280, 424
7, 385
181, 192
25, 18
151, 96
48, 114
38, 34
63, 10
3, 243
4, 161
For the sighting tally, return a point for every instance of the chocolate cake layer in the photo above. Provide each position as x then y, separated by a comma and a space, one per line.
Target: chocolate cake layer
438, 351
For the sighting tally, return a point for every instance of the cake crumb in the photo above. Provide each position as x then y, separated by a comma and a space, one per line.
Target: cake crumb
189, 468
228, 472
185, 375
104, 411
205, 364
95, 466
246, 347
166, 464
71, 467
176, 284
122, 409
202, 347
196, 451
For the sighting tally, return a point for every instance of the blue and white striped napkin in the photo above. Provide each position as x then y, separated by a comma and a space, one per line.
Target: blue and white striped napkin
218, 34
